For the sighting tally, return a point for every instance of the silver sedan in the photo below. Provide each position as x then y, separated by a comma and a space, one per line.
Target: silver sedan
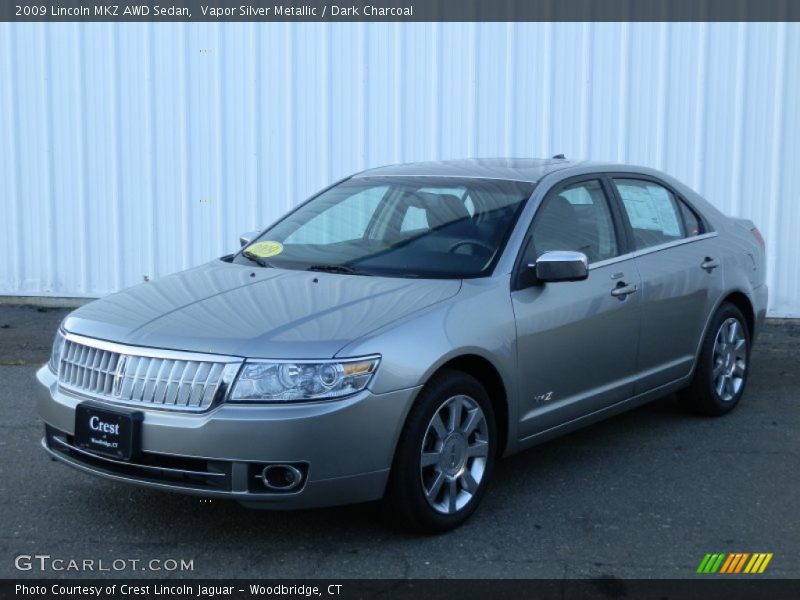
398, 332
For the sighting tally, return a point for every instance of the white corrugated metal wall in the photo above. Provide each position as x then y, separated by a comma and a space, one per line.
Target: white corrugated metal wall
136, 150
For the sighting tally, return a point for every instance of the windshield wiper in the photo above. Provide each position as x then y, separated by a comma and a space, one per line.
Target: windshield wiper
256, 259
341, 269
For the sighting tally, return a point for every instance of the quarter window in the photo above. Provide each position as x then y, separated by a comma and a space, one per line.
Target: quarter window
652, 211
576, 218
693, 223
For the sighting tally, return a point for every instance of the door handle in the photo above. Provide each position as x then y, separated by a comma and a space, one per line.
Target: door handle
623, 289
709, 264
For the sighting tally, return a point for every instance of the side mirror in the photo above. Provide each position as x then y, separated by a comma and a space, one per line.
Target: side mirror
248, 237
561, 265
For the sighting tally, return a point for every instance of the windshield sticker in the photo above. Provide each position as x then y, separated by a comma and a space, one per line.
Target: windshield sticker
265, 249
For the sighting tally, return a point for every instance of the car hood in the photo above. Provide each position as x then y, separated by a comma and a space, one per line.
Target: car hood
238, 310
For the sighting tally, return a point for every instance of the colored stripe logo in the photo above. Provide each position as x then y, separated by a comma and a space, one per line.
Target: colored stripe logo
734, 562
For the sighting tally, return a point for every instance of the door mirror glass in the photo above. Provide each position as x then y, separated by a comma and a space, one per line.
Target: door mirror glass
561, 265
248, 237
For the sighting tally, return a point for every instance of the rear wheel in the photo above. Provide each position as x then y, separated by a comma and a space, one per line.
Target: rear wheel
721, 372
445, 456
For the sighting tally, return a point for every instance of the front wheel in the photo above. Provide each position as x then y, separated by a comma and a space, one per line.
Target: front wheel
445, 456
721, 372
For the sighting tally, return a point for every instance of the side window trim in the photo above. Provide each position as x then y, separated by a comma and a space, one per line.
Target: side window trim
653, 249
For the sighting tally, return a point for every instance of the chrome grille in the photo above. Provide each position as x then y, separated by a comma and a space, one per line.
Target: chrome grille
120, 374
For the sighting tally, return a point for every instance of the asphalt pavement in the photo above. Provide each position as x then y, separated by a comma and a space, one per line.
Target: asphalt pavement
643, 495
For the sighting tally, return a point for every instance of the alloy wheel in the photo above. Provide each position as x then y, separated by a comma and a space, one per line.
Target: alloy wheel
454, 454
729, 359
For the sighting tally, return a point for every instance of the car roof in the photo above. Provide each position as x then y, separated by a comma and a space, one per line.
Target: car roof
516, 169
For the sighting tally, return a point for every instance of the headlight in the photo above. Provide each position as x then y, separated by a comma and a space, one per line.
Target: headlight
265, 381
55, 355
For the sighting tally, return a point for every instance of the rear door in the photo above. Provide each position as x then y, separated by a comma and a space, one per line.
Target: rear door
679, 263
576, 342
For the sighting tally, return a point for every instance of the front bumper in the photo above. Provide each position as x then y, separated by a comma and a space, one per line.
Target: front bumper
344, 447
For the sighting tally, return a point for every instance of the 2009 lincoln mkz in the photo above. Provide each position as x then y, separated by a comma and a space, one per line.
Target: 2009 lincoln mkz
397, 333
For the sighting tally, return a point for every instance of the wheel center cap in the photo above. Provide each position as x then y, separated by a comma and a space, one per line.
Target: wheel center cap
454, 454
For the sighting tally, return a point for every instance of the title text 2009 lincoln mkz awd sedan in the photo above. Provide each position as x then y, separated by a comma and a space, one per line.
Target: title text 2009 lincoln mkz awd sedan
398, 332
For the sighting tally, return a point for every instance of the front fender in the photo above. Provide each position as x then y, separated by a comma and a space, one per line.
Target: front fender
478, 321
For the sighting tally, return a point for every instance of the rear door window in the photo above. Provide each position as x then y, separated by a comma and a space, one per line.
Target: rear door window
653, 212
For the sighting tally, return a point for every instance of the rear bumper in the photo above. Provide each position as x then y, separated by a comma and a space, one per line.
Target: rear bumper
344, 448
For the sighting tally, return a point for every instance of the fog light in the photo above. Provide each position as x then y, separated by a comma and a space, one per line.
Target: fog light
282, 478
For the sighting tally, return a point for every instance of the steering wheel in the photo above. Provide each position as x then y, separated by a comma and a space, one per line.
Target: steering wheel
477, 243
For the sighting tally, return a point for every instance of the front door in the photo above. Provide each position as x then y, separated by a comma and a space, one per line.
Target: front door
577, 341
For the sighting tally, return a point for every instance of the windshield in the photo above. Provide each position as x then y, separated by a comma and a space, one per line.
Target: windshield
397, 227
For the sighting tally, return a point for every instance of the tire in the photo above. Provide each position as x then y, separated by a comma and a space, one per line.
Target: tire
458, 461
720, 376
